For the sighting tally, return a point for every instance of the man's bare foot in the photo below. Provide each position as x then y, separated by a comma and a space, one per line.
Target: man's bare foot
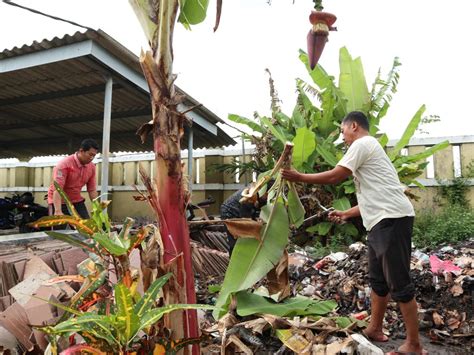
375, 335
409, 348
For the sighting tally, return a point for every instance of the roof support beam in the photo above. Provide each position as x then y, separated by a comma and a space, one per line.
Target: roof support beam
47, 56
77, 119
55, 95
106, 139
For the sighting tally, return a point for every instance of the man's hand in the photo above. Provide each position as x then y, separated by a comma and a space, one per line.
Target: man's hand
338, 217
58, 213
292, 175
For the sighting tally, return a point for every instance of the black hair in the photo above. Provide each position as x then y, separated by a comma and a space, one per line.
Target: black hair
89, 143
358, 117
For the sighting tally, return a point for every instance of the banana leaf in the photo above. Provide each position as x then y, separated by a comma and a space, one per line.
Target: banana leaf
295, 207
341, 204
420, 156
252, 259
326, 83
304, 145
192, 12
248, 122
327, 155
352, 82
275, 131
409, 131
383, 140
251, 303
322, 228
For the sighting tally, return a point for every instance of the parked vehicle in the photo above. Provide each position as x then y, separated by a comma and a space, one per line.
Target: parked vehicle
203, 205
19, 211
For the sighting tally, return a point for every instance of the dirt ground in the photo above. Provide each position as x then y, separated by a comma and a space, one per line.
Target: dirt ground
433, 349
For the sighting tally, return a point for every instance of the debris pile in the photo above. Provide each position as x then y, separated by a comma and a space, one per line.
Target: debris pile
444, 281
445, 288
26, 286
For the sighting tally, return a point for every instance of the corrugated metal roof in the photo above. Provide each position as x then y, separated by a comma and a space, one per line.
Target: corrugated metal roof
49, 108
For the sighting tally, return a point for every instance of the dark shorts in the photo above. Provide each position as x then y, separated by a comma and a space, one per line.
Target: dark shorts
79, 206
389, 245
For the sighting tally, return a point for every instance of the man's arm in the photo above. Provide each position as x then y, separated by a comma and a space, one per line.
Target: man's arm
57, 203
331, 177
93, 194
341, 216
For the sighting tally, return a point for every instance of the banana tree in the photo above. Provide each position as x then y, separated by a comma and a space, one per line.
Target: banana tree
158, 18
313, 127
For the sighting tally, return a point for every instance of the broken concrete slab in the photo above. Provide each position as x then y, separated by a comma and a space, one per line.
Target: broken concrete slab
15, 320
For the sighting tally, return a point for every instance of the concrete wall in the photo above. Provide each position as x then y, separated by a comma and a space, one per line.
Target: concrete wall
124, 172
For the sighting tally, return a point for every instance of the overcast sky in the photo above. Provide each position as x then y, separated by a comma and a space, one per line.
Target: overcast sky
226, 70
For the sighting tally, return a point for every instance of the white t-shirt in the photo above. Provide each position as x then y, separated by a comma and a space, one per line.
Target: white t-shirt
379, 191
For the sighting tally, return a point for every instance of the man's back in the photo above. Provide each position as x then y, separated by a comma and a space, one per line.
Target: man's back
379, 191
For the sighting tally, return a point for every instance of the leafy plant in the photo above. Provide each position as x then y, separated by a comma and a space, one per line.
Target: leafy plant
455, 190
118, 331
109, 319
454, 223
313, 128
257, 254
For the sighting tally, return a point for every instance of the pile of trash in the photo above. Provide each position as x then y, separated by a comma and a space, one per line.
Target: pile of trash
444, 281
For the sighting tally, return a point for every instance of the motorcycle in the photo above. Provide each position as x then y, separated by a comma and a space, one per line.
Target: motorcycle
19, 211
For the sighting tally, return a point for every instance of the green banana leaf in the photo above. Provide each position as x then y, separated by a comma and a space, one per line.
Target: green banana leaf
352, 82
275, 131
252, 259
322, 228
304, 145
383, 140
251, 303
421, 156
295, 207
326, 83
127, 320
192, 12
341, 204
248, 122
327, 155
346, 229
409, 131
297, 119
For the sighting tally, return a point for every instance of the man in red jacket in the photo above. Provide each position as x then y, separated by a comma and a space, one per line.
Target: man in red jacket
72, 173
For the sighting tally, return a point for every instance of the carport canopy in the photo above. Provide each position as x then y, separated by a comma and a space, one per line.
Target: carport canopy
55, 93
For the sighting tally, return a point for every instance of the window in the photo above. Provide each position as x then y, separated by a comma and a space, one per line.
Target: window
430, 171
457, 161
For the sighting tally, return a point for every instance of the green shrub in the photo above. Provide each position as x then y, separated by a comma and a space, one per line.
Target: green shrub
453, 224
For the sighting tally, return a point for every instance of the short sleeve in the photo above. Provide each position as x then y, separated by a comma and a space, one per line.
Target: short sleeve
60, 174
356, 155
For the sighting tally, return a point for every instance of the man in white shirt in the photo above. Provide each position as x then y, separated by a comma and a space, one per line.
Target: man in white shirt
388, 217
